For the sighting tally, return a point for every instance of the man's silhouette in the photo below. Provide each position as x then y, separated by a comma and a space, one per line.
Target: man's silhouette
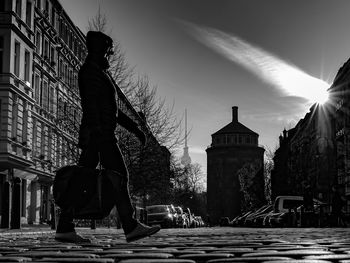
97, 139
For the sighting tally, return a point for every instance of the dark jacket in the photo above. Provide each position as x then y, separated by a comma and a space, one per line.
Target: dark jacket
99, 104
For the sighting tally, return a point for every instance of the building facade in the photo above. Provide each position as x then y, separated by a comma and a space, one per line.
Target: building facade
306, 156
340, 100
235, 177
41, 51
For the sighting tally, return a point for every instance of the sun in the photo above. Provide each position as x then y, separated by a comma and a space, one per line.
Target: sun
321, 96
298, 83
318, 91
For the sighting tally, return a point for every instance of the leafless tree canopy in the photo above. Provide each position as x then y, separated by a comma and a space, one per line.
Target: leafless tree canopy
162, 120
268, 167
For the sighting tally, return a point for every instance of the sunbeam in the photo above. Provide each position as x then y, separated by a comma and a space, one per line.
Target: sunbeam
286, 77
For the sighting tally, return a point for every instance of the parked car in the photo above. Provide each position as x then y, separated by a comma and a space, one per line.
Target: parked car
175, 215
287, 210
200, 221
159, 215
190, 217
261, 219
249, 220
239, 220
182, 220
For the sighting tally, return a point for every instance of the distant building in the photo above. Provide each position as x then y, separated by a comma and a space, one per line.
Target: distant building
235, 177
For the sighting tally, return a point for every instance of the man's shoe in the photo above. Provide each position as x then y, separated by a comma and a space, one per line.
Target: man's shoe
141, 231
71, 237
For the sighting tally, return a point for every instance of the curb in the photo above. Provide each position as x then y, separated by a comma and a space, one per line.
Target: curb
27, 230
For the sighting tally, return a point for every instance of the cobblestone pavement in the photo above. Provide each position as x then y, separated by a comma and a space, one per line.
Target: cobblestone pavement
219, 244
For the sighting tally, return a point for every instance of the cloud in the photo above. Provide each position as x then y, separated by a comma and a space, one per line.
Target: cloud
287, 78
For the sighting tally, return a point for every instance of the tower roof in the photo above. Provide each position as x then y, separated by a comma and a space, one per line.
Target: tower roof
235, 127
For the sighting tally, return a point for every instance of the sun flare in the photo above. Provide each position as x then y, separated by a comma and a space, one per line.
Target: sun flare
298, 83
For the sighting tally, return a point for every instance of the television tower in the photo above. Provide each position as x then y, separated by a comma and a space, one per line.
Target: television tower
186, 159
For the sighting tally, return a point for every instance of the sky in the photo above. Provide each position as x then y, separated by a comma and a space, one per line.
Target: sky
271, 58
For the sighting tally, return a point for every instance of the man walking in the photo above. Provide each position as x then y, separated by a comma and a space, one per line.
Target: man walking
97, 139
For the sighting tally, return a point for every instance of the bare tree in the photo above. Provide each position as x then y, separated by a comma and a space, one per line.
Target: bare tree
268, 167
98, 22
162, 121
251, 182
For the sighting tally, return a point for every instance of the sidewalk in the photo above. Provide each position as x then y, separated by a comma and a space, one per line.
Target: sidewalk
27, 230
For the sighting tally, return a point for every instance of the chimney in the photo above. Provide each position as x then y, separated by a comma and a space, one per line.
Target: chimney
234, 114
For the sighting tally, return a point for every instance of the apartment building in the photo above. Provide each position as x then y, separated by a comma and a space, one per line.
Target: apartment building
41, 51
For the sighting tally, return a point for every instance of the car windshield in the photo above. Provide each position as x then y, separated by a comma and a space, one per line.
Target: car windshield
157, 209
289, 203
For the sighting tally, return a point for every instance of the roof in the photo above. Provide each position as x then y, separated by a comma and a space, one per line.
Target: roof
234, 128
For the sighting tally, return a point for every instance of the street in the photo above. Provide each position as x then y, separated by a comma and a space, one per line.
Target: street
217, 244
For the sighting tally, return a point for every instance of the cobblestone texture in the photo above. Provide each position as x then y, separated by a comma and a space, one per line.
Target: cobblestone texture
212, 245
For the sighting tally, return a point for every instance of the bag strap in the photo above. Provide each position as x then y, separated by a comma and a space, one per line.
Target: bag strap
99, 182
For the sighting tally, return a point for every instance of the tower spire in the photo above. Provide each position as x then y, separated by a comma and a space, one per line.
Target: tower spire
186, 159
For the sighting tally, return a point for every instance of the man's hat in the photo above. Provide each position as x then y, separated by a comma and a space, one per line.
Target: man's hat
98, 42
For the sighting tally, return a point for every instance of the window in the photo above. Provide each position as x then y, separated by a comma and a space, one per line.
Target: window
48, 143
26, 65
34, 135
53, 147
47, 7
37, 139
58, 151
69, 40
53, 17
38, 4
52, 97
24, 198
60, 68
65, 77
60, 107
70, 78
2, 6
38, 42
44, 140
37, 91
46, 49
18, 7
29, 13
60, 27
1, 54
45, 95
19, 130
17, 57
52, 56
14, 117
25, 122
75, 83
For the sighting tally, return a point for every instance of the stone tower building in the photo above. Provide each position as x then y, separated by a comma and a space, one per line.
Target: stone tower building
234, 170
